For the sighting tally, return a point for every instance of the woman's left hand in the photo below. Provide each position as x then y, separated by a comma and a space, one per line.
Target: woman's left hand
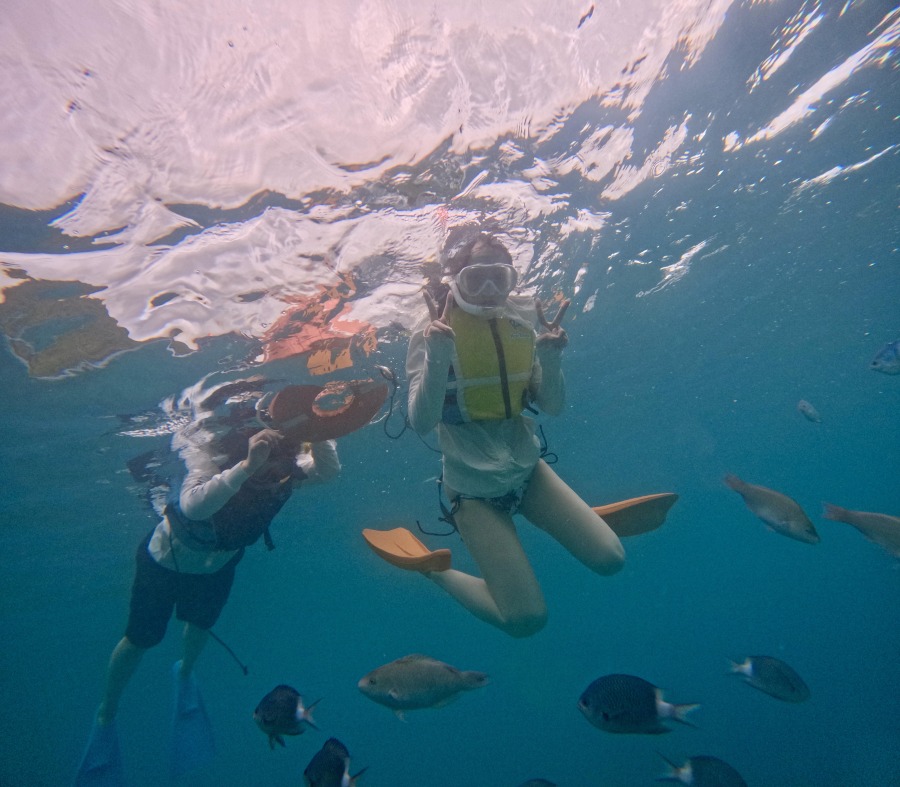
552, 334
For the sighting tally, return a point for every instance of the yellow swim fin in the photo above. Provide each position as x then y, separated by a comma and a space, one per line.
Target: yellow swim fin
637, 515
401, 548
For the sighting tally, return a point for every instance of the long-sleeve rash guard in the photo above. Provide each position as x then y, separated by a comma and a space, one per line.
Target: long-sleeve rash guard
207, 488
481, 458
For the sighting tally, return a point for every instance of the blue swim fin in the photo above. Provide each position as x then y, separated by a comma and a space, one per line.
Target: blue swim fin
192, 744
101, 765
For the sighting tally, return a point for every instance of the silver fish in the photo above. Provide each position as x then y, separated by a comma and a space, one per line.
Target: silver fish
778, 511
418, 681
772, 676
703, 771
881, 529
808, 411
887, 359
626, 704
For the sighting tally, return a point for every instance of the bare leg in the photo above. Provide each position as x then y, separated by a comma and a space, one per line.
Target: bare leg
508, 596
122, 664
552, 505
193, 642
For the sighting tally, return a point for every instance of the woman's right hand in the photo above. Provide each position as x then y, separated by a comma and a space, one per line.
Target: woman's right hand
440, 324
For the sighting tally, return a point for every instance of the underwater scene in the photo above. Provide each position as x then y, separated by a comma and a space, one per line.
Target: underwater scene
274, 274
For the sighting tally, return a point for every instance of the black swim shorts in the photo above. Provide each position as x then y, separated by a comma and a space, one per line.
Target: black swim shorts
508, 503
196, 598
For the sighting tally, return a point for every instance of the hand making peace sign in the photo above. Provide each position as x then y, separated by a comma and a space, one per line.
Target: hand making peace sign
439, 323
552, 334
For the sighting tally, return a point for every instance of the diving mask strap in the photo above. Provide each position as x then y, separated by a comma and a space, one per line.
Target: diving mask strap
262, 410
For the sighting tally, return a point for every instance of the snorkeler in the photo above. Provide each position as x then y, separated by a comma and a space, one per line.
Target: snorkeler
245, 452
474, 366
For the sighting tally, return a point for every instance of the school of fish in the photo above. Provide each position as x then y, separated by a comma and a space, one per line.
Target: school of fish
618, 703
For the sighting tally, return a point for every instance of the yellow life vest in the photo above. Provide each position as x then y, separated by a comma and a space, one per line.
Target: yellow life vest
491, 367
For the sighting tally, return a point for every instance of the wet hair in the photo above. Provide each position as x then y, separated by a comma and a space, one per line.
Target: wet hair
223, 418
481, 249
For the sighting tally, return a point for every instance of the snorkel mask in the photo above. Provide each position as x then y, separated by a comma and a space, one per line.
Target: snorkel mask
482, 289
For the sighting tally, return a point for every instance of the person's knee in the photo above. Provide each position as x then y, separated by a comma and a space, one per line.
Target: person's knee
144, 637
611, 561
130, 644
526, 623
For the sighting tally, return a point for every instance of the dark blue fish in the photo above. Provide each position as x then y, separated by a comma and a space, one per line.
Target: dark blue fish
330, 767
887, 359
703, 771
629, 705
281, 712
772, 676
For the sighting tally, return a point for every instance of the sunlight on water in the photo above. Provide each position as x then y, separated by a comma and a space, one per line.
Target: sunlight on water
382, 149
376, 120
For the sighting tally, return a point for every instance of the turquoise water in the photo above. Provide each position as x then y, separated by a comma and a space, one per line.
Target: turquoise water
682, 367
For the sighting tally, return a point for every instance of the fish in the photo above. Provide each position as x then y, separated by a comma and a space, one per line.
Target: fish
887, 359
538, 783
627, 704
585, 16
881, 529
778, 511
703, 771
772, 676
808, 411
281, 712
330, 767
417, 681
